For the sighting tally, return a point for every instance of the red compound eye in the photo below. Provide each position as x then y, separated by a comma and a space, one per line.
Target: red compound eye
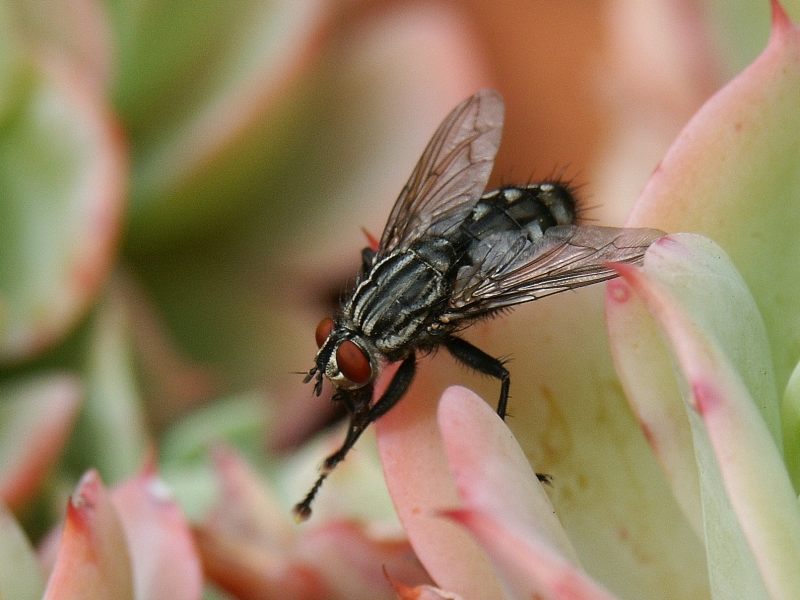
323, 331
353, 362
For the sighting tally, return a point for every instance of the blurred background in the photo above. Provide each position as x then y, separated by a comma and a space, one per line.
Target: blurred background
183, 186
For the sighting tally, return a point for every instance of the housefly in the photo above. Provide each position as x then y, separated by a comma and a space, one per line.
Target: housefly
451, 254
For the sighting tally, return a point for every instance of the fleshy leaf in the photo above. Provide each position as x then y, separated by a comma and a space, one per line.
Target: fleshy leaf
244, 541
111, 433
251, 546
421, 486
529, 568
524, 538
236, 420
202, 140
733, 175
62, 173
36, 417
750, 509
337, 550
93, 561
569, 415
790, 414
258, 510
491, 472
740, 34
183, 450
76, 34
247, 572
165, 564
20, 574
420, 592
712, 291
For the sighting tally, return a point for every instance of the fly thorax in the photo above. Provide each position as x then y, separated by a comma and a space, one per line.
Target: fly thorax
437, 253
396, 298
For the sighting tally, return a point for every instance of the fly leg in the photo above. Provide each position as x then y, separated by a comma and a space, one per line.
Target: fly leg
361, 415
477, 359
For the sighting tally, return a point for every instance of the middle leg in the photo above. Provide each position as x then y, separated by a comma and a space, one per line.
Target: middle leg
477, 359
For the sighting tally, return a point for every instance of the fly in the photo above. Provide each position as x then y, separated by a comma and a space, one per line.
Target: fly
451, 254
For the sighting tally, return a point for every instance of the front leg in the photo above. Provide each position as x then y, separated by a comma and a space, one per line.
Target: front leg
477, 359
361, 415
360, 419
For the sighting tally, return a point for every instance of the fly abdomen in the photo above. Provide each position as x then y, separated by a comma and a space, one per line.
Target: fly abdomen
531, 209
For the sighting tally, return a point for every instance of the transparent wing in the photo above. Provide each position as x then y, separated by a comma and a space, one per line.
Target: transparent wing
507, 268
451, 173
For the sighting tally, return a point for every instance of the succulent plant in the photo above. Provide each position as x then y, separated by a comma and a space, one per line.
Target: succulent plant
181, 189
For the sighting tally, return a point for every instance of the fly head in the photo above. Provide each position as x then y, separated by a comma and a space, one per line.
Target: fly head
346, 358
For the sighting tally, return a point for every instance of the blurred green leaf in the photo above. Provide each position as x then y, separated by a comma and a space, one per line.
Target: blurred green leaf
741, 29
239, 421
111, 433
199, 88
790, 414
184, 450
20, 574
60, 205
36, 416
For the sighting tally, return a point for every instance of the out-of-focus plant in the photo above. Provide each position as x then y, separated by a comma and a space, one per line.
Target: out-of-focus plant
177, 183
159, 169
